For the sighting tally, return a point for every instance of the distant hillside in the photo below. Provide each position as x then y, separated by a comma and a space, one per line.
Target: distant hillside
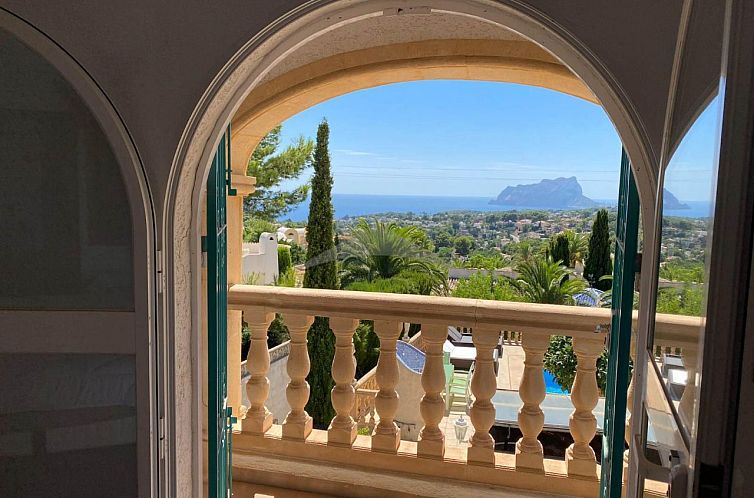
560, 193
669, 201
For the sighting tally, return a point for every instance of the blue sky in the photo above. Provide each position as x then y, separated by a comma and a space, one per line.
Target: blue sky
465, 138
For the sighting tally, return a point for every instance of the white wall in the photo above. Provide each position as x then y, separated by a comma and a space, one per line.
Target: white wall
262, 259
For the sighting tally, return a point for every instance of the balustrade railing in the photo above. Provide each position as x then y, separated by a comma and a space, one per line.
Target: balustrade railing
372, 402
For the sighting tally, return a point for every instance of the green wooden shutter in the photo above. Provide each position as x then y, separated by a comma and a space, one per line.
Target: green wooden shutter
219, 413
626, 237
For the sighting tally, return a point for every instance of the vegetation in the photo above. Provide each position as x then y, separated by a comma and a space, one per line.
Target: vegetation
270, 167
683, 271
321, 273
406, 282
485, 285
285, 262
578, 245
366, 346
598, 263
560, 360
559, 249
298, 253
463, 245
685, 301
254, 227
386, 250
545, 281
485, 260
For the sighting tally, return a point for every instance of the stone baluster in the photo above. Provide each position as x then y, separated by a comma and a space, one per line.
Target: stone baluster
386, 436
688, 398
298, 423
580, 459
342, 430
531, 419
483, 386
431, 439
258, 417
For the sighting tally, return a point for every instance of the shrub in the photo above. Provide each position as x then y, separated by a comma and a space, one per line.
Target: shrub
366, 348
560, 360
285, 262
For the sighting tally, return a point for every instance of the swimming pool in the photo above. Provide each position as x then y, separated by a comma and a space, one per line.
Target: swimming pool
552, 387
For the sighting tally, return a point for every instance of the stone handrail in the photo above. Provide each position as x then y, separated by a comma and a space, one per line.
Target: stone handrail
533, 325
522, 317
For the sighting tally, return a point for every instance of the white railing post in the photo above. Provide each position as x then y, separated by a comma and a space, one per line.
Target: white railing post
386, 436
298, 423
580, 458
483, 386
342, 430
258, 417
531, 419
431, 439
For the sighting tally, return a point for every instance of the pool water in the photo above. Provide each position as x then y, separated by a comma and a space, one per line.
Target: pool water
552, 387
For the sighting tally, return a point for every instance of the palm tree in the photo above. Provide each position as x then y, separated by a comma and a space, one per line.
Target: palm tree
542, 280
578, 244
386, 250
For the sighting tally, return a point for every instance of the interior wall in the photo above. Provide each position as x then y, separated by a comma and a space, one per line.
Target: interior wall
192, 53
155, 79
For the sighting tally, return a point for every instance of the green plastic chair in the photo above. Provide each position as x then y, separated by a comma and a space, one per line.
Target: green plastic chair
459, 388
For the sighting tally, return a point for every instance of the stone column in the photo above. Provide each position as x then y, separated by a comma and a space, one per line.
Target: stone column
580, 459
531, 419
483, 386
234, 211
298, 423
431, 439
342, 430
258, 417
386, 436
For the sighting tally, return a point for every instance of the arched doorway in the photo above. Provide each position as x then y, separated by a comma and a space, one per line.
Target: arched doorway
254, 64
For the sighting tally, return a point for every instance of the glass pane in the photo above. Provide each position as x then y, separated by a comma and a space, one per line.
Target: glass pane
68, 425
64, 214
688, 199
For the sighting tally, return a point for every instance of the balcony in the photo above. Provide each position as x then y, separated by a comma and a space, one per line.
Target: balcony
342, 462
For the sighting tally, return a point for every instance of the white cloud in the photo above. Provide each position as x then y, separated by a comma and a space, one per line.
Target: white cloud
350, 152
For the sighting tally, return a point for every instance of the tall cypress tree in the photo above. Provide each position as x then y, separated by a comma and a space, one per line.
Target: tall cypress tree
321, 273
598, 263
559, 250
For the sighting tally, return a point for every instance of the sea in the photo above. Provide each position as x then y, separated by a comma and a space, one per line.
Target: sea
354, 205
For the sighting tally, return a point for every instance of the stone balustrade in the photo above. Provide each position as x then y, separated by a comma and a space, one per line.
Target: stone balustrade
375, 396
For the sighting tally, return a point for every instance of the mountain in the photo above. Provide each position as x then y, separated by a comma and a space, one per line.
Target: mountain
560, 193
669, 201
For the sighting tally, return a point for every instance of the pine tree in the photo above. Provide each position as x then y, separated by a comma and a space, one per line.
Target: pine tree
271, 167
598, 263
321, 273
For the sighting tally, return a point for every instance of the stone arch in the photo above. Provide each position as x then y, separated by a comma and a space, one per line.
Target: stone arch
244, 73
509, 61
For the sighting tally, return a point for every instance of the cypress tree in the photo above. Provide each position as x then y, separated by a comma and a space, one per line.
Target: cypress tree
598, 263
558, 249
321, 273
